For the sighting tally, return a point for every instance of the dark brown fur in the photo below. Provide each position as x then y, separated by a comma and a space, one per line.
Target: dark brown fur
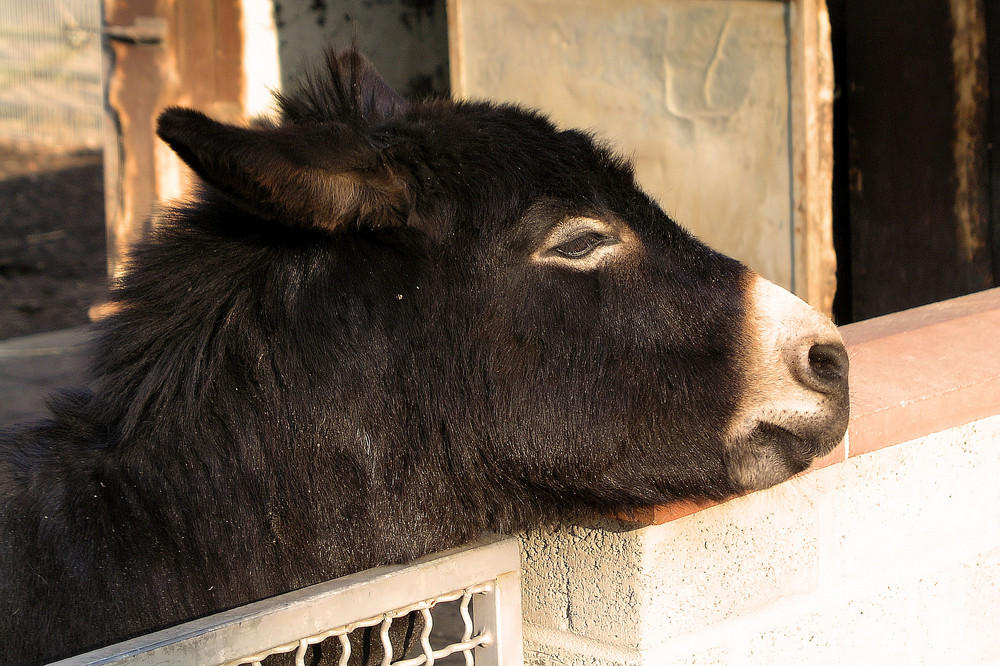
342, 355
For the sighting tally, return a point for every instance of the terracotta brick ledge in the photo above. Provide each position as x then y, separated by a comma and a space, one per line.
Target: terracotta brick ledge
913, 373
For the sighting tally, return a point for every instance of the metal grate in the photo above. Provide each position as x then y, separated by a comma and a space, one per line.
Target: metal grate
480, 582
50, 72
465, 645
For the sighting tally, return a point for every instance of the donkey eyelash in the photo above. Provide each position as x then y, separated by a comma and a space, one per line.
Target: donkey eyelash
582, 245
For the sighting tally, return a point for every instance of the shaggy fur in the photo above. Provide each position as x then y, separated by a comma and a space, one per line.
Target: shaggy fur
342, 354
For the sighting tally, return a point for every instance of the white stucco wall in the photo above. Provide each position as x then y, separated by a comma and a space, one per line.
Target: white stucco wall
891, 557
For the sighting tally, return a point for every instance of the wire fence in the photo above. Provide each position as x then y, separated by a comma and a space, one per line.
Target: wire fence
50, 72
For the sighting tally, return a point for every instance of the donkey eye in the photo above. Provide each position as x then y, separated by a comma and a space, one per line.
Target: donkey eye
582, 245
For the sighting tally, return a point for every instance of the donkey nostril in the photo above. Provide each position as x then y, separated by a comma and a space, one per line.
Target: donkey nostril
819, 366
828, 366
828, 361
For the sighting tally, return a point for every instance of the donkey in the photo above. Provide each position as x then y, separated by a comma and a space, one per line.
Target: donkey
379, 329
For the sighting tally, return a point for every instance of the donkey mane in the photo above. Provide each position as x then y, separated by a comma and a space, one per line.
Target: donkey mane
348, 91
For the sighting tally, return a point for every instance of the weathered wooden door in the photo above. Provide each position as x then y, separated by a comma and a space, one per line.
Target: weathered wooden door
160, 53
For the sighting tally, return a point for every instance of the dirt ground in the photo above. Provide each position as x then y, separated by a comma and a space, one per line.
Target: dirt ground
52, 239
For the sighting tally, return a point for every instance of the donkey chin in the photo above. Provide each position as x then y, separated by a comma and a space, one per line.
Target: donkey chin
796, 407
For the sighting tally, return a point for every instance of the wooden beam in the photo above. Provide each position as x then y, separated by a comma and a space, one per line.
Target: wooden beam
811, 81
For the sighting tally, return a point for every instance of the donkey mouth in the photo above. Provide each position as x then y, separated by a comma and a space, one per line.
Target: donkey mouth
772, 453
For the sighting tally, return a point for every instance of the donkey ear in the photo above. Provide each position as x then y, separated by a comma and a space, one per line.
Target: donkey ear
321, 175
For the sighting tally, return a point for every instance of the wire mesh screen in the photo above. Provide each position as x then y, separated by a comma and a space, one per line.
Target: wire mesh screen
50, 72
433, 631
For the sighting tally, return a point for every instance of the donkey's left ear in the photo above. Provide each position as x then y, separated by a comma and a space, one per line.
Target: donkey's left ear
320, 175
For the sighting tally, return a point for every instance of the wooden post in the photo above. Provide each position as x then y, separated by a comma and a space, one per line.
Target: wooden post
811, 96
160, 53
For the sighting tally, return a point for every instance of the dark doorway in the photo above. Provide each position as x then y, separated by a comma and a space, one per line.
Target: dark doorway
916, 183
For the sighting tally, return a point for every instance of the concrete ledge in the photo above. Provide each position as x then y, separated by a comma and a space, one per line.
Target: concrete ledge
888, 551
922, 371
889, 557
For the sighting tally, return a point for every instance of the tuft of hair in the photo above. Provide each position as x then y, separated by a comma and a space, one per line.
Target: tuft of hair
349, 90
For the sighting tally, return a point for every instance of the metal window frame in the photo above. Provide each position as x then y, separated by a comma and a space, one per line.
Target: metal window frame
232, 635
